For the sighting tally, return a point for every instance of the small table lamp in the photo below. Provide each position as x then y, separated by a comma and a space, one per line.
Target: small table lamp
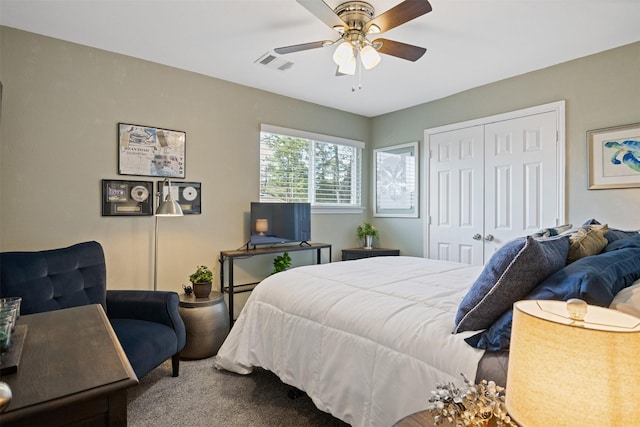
262, 226
578, 369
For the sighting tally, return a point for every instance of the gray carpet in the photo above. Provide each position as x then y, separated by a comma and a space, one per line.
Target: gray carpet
204, 396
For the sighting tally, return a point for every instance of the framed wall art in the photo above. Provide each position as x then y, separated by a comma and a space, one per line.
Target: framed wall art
149, 151
127, 198
614, 157
187, 194
396, 181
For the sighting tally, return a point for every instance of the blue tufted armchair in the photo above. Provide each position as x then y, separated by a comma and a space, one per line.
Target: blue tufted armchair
147, 323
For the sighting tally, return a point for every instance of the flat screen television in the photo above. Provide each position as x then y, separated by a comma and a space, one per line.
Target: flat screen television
273, 223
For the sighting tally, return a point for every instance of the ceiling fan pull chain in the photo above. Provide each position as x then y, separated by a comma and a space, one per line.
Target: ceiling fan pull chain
359, 71
354, 80
357, 76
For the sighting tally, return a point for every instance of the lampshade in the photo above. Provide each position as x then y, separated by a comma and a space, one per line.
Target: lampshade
262, 225
369, 57
169, 207
343, 54
348, 67
567, 372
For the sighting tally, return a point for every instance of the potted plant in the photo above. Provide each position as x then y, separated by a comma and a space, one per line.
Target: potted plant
367, 232
281, 263
201, 280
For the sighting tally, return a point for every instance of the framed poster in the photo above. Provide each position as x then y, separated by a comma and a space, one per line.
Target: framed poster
614, 157
127, 198
187, 194
396, 181
148, 151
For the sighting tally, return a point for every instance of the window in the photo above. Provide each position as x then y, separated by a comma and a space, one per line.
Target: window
297, 166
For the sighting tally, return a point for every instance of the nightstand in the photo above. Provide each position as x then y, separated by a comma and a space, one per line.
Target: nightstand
359, 253
206, 321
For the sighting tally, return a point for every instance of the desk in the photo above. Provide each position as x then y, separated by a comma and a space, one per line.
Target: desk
72, 371
245, 253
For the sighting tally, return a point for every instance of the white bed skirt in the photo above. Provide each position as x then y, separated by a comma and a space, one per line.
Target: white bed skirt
367, 340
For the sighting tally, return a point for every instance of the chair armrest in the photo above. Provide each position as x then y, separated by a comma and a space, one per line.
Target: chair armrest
153, 306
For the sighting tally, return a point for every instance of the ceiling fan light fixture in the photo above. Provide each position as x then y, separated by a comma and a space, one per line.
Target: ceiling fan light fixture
369, 57
343, 54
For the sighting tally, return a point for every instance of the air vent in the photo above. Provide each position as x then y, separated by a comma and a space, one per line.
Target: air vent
274, 61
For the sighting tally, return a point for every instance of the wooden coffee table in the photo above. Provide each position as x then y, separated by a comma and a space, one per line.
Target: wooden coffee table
419, 419
72, 371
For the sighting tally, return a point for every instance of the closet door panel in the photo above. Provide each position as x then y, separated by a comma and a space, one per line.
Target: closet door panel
520, 174
456, 195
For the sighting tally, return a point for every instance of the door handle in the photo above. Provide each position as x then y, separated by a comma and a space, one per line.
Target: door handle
489, 237
477, 237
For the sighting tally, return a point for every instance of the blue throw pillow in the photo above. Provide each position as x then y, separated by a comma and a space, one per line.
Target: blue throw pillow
633, 242
497, 337
595, 279
511, 273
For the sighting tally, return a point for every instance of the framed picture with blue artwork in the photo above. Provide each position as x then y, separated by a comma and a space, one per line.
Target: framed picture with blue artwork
614, 157
396, 181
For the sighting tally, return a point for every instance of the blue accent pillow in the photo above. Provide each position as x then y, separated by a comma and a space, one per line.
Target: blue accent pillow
633, 242
511, 273
595, 279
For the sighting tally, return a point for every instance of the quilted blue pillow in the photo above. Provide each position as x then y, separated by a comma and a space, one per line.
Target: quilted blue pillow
511, 273
633, 242
595, 279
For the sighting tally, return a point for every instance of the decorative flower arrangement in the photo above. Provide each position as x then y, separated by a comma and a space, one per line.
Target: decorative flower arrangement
472, 405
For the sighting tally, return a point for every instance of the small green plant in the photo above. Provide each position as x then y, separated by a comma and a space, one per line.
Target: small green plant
281, 263
366, 230
201, 275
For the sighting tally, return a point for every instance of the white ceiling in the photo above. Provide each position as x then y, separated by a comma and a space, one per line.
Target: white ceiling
469, 42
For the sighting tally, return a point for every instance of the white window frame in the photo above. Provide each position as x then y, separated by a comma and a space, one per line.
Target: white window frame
328, 208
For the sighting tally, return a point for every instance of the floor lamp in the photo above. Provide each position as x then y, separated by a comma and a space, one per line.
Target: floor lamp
167, 207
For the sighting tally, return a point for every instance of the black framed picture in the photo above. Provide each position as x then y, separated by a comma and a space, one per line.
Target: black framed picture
127, 198
149, 151
187, 194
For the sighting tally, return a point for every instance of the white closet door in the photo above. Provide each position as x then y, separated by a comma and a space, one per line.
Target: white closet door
456, 195
520, 178
493, 180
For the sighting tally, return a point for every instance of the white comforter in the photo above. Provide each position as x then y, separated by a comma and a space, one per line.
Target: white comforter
367, 340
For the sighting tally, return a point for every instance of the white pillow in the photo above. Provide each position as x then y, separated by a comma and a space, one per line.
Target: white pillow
628, 300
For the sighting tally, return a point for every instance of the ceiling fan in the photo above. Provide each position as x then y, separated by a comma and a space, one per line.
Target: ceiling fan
355, 21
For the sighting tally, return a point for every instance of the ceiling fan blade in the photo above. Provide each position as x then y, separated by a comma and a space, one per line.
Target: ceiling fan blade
323, 12
399, 49
300, 47
399, 14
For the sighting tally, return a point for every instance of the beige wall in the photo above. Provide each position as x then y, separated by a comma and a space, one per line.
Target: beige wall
61, 106
602, 90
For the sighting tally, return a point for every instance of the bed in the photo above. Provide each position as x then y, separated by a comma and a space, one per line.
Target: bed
368, 340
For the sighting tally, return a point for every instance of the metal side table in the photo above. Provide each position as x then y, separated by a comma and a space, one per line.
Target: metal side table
207, 323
